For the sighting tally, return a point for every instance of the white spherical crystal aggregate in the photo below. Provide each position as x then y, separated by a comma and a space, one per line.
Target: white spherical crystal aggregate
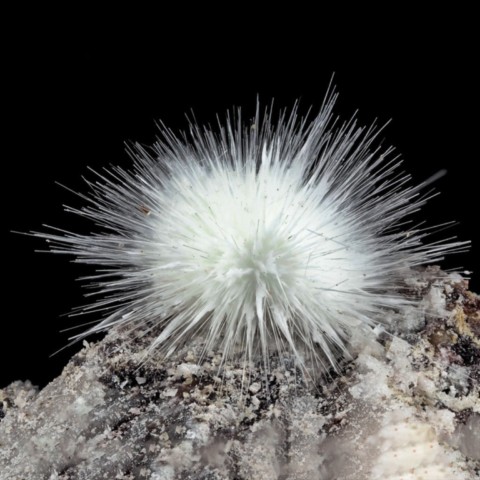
261, 237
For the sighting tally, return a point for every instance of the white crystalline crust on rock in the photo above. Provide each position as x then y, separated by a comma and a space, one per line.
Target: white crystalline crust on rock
407, 408
411, 449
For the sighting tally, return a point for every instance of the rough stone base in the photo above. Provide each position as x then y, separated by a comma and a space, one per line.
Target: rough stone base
406, 408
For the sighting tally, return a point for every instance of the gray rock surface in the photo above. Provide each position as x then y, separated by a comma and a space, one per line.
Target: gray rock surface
407, 407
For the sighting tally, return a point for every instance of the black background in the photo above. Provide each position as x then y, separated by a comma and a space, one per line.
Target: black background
71, 101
